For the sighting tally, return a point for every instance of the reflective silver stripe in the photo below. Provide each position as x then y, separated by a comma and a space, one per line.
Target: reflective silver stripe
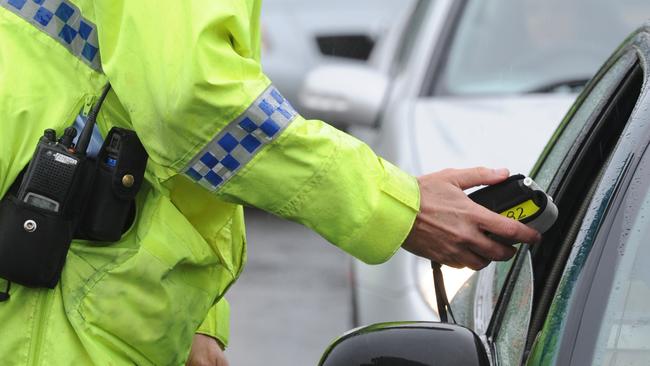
241, 140
62, 21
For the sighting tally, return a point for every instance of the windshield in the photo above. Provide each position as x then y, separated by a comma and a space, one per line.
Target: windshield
523, 46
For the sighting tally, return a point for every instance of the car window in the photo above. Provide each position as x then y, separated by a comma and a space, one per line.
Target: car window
521, 46
624, 335
492, 278
590, 181
563, 151
565, 137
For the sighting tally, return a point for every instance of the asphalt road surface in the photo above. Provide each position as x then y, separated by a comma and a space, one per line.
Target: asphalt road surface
293, 298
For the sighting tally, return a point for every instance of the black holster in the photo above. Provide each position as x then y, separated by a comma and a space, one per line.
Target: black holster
111, 204
34, 242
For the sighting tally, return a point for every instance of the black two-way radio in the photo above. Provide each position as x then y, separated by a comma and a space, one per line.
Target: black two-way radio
66, 195
53, 173
56, 169
39, 216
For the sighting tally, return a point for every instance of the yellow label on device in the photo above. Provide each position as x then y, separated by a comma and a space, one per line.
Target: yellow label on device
521, 211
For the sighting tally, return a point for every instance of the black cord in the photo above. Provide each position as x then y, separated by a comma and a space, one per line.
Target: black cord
444, 308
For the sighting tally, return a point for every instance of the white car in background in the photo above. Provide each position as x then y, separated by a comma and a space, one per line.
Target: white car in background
462, 83
298, 35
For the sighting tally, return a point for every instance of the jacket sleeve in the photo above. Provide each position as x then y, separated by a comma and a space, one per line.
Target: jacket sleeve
217, 322
189, 76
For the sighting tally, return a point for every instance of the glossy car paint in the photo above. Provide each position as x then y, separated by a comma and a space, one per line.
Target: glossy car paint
407, 344
506, 131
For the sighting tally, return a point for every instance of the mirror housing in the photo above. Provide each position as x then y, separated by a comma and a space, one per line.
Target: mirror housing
407, 344
344, 94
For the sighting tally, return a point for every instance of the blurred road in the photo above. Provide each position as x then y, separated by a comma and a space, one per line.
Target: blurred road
293, 298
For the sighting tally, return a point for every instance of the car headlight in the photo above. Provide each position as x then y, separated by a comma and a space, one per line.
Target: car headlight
454, 279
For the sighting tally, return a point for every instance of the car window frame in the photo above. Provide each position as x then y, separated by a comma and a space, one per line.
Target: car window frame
440, 53
598, 268
599, 271
412, 28
562, 171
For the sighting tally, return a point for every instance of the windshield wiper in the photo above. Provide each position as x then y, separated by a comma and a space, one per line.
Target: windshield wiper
571, 85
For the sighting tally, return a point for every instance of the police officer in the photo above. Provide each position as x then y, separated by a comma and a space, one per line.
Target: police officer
186, 77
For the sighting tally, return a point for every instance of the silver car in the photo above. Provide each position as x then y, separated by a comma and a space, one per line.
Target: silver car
467, 83
298, 35
580, 297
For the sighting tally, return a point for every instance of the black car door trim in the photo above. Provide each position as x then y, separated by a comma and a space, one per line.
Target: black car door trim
631, 145
602, 139
506, 294
596, 279
568, 168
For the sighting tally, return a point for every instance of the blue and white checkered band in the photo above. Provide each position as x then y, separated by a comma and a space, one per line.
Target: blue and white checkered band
241, 139
62, 21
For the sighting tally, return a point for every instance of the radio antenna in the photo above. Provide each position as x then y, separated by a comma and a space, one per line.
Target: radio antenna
87, 132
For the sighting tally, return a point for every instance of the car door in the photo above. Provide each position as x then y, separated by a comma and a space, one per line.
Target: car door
598, 312
573, 170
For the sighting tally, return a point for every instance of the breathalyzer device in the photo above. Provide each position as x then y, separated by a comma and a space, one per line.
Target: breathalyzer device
518, 198
521, 199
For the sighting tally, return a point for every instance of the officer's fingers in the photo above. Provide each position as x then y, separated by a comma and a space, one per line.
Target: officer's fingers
490, 249
451, 263
222, 361
509, 229
456, 254
468, 258
206, 351
468, 178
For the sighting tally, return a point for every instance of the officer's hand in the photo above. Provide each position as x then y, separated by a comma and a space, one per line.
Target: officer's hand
450, 228
206, 351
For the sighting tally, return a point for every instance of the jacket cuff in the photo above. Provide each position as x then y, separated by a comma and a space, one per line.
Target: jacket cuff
217, 323
392, 219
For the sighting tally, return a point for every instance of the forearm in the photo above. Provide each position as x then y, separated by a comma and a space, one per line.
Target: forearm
334, 184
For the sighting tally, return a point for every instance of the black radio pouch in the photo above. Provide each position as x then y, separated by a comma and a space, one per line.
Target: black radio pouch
119, 173
34, 241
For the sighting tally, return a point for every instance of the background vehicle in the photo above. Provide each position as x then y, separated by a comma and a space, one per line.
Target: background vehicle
579, 297
469, 83
301, 34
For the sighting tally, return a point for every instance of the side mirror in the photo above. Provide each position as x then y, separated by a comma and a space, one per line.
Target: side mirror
344, 94
407, 344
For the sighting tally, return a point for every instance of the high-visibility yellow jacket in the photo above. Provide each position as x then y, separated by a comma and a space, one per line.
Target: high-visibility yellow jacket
186, 77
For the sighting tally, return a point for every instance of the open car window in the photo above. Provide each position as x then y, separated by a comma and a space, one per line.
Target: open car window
476, 301
585, 111
573, 159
